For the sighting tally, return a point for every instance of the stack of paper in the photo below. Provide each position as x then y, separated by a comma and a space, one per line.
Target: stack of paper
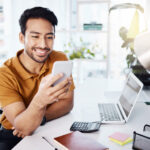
120, 138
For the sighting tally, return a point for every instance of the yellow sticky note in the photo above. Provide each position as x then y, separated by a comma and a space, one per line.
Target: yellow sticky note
120, 142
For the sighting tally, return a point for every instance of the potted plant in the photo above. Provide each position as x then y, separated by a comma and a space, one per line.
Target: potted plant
80, 51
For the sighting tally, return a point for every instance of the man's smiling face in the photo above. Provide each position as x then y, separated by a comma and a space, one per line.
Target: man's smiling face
38, 39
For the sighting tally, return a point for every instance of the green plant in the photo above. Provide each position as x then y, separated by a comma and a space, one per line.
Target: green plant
127, 44
128, 35
79, 51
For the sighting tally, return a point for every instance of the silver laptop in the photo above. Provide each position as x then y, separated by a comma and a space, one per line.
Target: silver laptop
120, 112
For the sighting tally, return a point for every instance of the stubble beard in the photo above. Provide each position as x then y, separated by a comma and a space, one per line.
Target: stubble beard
36, 60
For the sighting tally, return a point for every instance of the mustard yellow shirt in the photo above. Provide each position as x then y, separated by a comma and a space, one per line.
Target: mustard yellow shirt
17, 84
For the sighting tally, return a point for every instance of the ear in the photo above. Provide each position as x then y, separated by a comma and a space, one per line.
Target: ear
21, 37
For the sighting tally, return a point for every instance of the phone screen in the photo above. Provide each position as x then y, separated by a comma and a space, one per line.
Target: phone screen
64, 67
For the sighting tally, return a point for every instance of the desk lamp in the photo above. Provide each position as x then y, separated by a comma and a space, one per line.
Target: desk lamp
142, 49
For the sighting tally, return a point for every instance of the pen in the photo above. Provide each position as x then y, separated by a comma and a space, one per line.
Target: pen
49, 142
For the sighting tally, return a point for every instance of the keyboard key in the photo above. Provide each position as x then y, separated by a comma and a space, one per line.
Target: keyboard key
108, 112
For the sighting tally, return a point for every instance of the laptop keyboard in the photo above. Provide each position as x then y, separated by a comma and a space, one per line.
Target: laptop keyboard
108, 112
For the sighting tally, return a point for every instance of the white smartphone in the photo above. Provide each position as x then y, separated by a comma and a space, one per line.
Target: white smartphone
64, 67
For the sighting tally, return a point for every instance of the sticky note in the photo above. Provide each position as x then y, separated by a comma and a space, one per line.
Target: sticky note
120, 138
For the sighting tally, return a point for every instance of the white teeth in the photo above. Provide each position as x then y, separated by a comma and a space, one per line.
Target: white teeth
39, 51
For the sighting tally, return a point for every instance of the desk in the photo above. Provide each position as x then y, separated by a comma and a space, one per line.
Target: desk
85, 109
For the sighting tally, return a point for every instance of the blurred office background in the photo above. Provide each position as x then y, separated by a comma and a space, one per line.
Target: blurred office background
83, 25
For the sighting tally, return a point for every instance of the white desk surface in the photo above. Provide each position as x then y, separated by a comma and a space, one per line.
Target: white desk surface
85, 109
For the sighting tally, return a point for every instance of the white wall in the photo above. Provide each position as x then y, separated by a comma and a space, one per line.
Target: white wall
18, 6
118, 19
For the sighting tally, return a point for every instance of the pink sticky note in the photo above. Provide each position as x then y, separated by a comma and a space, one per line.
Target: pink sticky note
119, 136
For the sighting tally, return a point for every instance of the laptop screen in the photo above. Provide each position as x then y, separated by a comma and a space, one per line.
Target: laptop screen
129, 95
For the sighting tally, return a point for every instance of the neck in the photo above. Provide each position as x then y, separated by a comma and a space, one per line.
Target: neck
29, 64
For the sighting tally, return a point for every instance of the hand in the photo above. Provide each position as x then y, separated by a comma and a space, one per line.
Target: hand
65, 95
47, 93
18, 133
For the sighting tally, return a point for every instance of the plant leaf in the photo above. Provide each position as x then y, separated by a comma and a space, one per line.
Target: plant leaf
123, 33
66, 51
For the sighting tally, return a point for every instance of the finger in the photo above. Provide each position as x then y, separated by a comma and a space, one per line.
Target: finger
55, 96
62, 96
70, 79
19, 134
22, 136
70, 82
61, 91
60, 85
13, 128
15, 132
67, 86
53, 79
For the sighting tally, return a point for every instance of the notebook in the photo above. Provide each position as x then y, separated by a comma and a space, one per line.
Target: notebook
120, 112
77, 141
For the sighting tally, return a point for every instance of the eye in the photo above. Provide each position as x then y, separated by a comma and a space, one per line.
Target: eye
35, 36
50, 37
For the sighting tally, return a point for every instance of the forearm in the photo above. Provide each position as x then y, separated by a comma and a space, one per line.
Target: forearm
27, 121
60, 108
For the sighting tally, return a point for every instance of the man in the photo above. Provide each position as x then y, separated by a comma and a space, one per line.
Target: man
27, 96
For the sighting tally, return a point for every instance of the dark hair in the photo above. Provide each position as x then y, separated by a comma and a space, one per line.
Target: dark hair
37, 12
